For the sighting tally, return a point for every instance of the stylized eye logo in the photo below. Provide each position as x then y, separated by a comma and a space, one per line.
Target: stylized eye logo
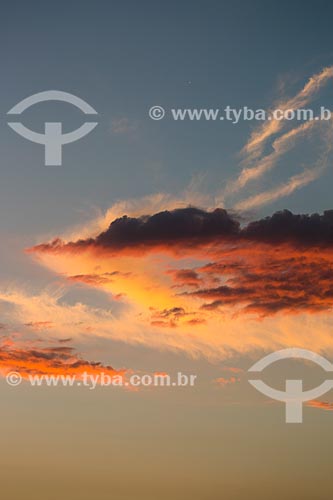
53, 139
293, 395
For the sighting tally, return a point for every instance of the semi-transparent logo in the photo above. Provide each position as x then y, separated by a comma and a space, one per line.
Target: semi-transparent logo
293, 396
53, 139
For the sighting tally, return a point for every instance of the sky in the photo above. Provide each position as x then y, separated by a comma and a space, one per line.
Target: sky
165, 246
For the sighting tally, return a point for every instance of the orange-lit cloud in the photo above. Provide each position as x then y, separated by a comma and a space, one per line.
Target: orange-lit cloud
29, 358
223, 382
323, 405
281, 263
184, 280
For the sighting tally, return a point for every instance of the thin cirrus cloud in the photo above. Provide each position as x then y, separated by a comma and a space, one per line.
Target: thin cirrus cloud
258, 139
256, 164
295, 182
280, 146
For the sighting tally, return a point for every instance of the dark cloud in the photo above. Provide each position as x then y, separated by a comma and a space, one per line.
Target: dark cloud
171, 317
186, 225
167, 317
174, 225
182, 277
212, 306
287, 227
194, 227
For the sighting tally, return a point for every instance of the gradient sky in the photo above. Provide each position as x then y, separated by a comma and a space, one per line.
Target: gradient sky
206, 288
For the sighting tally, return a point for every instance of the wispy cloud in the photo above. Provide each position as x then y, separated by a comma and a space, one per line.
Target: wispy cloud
296, 182
255, 145
256, 163
280, 146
